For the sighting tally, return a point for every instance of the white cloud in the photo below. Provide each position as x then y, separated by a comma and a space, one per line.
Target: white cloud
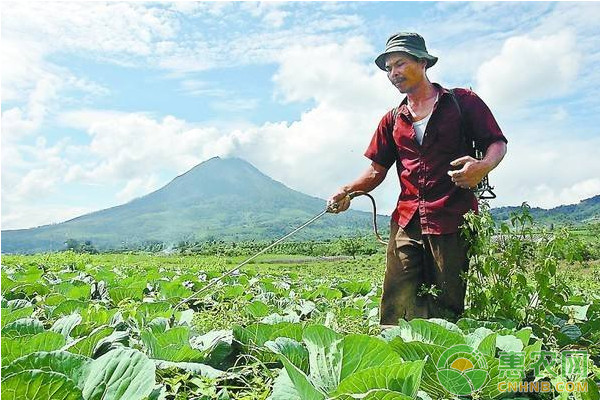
260, 43
40, 181
547, 168
336, 22
30, 82
125, 147
529, 69
224, 100
32, 215
550, 196
38, 87
137, 187
580, 190
196, 87
104, 28
18, 122
165, 36
182, 59
36, 172
336, 75
275, 18
201, 8
26, 67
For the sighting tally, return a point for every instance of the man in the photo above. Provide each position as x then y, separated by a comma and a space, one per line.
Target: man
426, 136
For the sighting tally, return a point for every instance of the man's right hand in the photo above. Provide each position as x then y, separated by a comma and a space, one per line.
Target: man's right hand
367, 181
339, 201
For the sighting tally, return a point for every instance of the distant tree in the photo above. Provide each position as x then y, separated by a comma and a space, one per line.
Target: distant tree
88, 247
152, 246
72, 244
350, 246
78, 247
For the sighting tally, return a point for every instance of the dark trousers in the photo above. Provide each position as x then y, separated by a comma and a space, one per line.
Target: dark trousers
415, 260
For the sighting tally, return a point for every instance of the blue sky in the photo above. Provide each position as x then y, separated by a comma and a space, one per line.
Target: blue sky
103, 102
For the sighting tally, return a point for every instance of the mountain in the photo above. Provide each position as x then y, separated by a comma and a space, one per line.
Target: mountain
220, 199
229, 199
585, 211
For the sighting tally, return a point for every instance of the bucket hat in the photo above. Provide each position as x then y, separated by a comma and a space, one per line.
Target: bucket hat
408, 42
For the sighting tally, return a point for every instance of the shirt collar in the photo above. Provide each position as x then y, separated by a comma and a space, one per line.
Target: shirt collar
403, 108
441, 89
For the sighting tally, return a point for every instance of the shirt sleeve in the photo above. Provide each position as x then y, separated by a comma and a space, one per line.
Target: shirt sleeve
382, 148
480, 121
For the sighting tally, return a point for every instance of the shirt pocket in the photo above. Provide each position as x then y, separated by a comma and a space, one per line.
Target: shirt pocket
447, 137
405, 142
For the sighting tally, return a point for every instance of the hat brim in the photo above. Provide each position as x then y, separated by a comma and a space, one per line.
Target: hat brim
380, 60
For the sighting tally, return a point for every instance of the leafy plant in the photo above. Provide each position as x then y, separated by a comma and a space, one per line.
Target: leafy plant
513, 272
119, 374
430, 339
329, 365
290, 330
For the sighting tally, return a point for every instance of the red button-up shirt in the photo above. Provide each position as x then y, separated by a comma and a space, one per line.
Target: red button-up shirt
425, 185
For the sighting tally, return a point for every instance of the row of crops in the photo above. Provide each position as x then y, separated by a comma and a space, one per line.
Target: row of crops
74, 329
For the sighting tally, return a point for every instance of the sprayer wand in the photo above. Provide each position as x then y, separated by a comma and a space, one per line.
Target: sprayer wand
330, 209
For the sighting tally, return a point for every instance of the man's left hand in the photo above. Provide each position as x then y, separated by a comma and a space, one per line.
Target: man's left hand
471, 173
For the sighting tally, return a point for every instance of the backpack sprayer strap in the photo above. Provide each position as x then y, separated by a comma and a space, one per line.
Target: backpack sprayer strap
483, 190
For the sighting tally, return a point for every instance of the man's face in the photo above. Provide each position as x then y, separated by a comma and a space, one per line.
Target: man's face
404, 71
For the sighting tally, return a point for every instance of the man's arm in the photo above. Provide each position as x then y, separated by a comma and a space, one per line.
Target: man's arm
473, 171
367, 181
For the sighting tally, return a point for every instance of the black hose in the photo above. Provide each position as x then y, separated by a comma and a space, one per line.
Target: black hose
361, 193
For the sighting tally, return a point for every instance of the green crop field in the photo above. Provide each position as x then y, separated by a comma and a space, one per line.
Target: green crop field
288, 327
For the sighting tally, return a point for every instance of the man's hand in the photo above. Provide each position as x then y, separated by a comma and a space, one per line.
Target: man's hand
367, 181
471, 173
338, 202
